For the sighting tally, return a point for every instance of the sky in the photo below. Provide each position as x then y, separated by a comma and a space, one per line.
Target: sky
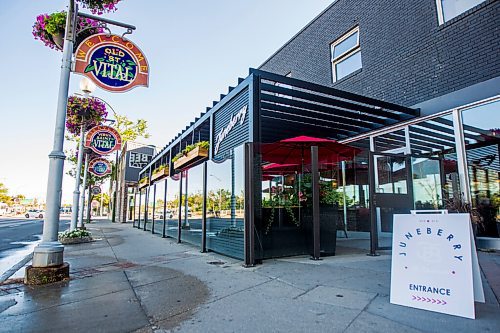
195, 50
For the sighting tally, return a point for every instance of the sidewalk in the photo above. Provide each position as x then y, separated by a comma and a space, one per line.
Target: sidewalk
131, 281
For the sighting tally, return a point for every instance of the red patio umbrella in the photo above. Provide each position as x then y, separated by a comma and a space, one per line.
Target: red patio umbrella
297, 151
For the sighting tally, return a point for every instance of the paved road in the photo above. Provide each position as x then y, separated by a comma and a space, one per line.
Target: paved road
16, 232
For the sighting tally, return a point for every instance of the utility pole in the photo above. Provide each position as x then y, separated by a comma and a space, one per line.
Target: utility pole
84, 186
49, 252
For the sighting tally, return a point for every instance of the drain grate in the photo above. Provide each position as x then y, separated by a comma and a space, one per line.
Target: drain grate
216, 262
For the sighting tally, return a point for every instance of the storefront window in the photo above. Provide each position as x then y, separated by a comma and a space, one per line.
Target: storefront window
482, 135
149, 212
225, 204
158, 213
192, 208
172, 206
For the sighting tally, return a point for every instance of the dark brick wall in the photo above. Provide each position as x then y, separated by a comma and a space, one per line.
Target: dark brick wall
407, 57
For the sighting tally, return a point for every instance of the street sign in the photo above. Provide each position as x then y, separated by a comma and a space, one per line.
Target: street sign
96, 190
100, 167
115, 64
103, 140
434, 264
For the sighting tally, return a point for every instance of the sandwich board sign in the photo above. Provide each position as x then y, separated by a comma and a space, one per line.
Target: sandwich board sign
434, 264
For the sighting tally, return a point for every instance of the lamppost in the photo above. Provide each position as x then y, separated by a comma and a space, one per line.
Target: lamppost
87, 87
49, 253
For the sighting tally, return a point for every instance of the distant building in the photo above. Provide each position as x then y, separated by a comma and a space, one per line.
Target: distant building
134, 156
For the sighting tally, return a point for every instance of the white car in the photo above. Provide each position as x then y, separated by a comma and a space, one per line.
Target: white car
35, 213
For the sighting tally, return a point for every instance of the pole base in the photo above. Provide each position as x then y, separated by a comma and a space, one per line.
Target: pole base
48, 254
373, 254
45, 275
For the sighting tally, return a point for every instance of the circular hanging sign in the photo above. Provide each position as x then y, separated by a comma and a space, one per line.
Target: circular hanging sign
113, 63
100, 167
103, 140
96, 190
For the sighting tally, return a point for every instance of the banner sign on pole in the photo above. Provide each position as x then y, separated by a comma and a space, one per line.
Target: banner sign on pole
100, 167
434, 264
113, 63
103, 140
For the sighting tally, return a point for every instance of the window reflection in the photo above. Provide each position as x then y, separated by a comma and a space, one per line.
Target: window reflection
225, 204
481, 127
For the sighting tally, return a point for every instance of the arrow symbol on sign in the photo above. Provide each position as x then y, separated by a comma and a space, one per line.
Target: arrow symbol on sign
444, 302
413, 297
433, 301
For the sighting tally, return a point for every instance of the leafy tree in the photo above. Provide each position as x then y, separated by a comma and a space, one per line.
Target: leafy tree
4, 197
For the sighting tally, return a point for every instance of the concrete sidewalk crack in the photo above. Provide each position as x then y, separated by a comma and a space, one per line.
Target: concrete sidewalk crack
239, 291
360, 312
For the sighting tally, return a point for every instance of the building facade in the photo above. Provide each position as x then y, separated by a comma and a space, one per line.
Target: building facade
370, 110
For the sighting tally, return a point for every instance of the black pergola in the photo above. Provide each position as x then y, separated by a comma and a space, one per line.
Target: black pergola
278, 107
282, 107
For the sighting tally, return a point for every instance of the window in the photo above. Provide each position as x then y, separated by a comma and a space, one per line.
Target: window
448, 9
346, 55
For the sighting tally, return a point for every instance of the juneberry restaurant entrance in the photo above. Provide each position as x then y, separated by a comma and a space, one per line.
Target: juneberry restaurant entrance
281, 167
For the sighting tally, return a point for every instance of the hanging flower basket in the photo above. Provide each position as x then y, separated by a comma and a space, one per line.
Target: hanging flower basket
159, 173
99, 6
191, 155
50, 29
144, 182
91, 110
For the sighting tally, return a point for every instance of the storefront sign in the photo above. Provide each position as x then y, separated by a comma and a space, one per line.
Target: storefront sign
100, 167
103, 140
113, 63
239, 117
434, 264
96, 190
139, 160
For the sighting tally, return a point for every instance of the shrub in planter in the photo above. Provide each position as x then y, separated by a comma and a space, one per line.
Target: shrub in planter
92, 110
75, 236
99, 6
50, 29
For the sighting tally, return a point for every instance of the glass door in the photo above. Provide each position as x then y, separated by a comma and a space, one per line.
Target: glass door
391, 193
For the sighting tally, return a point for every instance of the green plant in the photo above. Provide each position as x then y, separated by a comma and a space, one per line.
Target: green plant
48, 25
160, 168
79, 233
188, 148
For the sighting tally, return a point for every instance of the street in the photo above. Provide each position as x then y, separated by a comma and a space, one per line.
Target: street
17, 235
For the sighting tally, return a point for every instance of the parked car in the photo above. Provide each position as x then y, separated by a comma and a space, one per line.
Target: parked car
35, 213
159, 216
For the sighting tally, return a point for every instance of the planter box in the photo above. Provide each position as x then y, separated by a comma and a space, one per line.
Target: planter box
191, 158
76, 240
143, 184
160, 174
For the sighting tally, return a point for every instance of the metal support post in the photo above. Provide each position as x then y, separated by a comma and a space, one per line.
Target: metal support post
249, 240
315, 208
50, 252
463, 172
89, 205
82, 197
139, 211
113, 214
76, 192
179, 213
204, 211
154, 208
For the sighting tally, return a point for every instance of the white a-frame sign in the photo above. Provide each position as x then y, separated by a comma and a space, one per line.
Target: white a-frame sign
434, 264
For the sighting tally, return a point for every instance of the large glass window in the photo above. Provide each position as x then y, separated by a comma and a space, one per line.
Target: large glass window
346, 55
172, 205
158, 203
448, 9
225, 204
482, 135
192, 208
